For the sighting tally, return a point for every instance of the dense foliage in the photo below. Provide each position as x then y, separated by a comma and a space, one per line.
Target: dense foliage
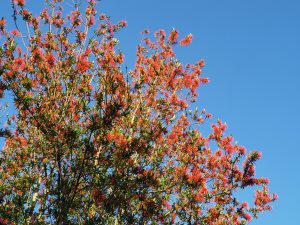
93, 143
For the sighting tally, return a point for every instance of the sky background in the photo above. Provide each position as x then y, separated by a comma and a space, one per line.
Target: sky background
252, 54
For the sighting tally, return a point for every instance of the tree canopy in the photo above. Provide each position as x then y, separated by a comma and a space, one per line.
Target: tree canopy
91, 142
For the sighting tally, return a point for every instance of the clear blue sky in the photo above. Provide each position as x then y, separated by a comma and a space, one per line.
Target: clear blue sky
252, 54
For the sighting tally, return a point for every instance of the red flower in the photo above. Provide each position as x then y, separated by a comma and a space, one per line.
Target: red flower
247, 216
91, 21
103, 17
50, 59
19, 64
83, 64
173, 36
15, 32
26, 12
186, 40
20, 2
2, 22
204, 80
167, 205
245, 205
172, 136
76, 117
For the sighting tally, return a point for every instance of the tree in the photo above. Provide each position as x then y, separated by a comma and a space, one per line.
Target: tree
93, 143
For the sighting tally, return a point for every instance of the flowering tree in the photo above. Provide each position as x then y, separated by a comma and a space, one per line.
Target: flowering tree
91, 143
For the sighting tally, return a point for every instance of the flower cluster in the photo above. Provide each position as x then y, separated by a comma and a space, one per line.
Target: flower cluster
92, 142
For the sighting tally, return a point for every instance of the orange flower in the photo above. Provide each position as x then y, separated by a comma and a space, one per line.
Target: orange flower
186, 40
2, 22
20, 2
15, 32
50, 59
173, 36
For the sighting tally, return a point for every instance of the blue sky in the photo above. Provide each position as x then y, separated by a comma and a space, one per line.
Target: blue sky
252, 54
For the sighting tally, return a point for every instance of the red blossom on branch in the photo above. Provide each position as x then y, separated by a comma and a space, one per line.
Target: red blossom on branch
92, 141
186, 40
